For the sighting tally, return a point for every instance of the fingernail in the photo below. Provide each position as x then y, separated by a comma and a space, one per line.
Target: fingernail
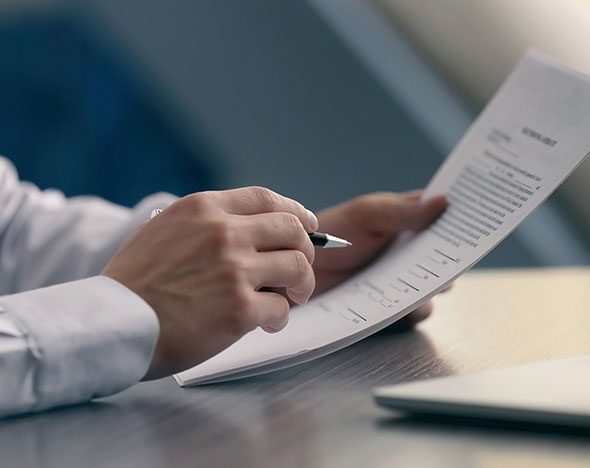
313, 219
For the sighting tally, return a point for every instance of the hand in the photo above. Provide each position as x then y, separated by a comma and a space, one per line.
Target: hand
204, 265
371, 223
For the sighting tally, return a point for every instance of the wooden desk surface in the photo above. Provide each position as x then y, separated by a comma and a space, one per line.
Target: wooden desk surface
321, 414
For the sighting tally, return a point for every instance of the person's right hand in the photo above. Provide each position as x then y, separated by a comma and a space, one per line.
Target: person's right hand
205, 265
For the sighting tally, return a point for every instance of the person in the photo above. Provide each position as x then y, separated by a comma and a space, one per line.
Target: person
96, 297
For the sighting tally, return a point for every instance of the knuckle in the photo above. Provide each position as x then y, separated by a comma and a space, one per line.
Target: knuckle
301, 264
221, 233
197, 202
300, 238
266, 198
293, 224
373, 203
376, 211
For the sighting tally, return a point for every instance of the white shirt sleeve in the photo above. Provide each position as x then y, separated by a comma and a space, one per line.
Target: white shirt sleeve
83, 338
72, 342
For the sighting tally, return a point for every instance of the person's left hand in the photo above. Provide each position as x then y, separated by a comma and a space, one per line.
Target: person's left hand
371, 223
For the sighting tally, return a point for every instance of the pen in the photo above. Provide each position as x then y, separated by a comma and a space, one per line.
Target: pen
319, 239
327, 241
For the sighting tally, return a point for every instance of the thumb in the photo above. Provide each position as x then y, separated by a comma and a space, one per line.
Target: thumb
389, 213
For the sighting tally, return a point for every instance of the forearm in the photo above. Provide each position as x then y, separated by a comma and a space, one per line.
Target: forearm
70, 343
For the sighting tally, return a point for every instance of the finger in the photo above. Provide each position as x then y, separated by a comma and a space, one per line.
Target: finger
273, 310
412, 195
256, 200
278, 231
285, 268
386, 213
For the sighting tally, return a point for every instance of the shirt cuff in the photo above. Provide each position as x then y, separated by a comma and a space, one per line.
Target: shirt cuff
89, 338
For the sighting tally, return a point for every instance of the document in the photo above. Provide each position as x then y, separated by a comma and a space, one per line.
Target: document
533, 133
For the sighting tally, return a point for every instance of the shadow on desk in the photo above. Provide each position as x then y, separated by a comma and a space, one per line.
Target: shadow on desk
458, 442
468, 425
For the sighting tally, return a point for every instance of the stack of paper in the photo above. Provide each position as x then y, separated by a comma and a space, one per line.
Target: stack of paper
529, 138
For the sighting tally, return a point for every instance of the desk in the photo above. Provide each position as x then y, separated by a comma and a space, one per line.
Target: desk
321, 414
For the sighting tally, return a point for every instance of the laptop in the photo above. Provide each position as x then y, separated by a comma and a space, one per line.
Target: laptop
550, 392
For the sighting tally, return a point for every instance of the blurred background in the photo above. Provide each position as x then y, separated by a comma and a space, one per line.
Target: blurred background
320, 100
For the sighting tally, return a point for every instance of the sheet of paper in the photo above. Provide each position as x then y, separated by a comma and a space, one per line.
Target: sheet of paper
529, 138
